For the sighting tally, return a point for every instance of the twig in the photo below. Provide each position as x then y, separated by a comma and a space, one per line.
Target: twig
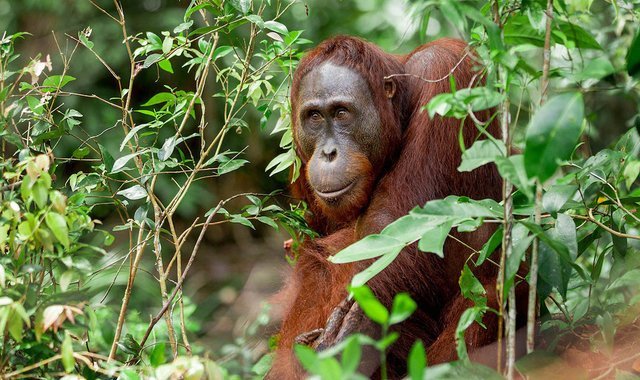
127, 293
178, 286
162, 274
453, 69
592, 219
533, 270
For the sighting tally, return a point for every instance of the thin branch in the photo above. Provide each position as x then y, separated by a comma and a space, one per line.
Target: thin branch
453, 69
592, 219
178, 286
533, 270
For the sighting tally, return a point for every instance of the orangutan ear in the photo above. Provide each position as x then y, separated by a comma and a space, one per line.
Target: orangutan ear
389, 87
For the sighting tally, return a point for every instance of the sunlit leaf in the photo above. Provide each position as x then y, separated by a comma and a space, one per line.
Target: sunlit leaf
417, 361
368, 302
402, 308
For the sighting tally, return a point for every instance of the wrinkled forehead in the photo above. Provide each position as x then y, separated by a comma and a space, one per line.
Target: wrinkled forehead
329, 79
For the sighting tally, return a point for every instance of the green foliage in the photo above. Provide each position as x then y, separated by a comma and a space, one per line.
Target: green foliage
587, 240
144, 168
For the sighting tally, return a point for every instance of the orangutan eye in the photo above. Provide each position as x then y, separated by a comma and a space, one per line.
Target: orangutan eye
341, 113
315, 116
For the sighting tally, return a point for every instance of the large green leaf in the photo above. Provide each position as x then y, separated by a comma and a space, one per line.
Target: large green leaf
481, 152
410, 228
432, 240
461, 207
552, 134
368, 248
375, 268
577, 36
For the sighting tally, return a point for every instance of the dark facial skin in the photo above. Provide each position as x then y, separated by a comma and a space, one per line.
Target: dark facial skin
339, 133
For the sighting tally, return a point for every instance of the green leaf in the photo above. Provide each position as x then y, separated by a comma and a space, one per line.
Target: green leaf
461, 207
255, 19
552, 134
555, 268
471, 287
521, 242
633, 57
490, 246
276, 27
40, 192
578, 36
167, 44
230, 165
370, 304
461, 370
66, 279
262, 367
182, 27
167, 148
151, 59
158, 355
15, 325
121, 162
165, 65
387, 341
466, 320
307, 356
512, 168
518, 31
402, 308
58, 226
161, 97
222, 51
410, 228
480, 153
85, 40
351, 356
417, 361
432, 240
68, 361
268, 221
81, 152
55, 82
557, 196
631, 172
241, 220
241, 5
369, 247
375, 268
135, 192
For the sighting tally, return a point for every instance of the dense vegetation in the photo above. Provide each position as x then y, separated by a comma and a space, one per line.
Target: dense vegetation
109, 185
